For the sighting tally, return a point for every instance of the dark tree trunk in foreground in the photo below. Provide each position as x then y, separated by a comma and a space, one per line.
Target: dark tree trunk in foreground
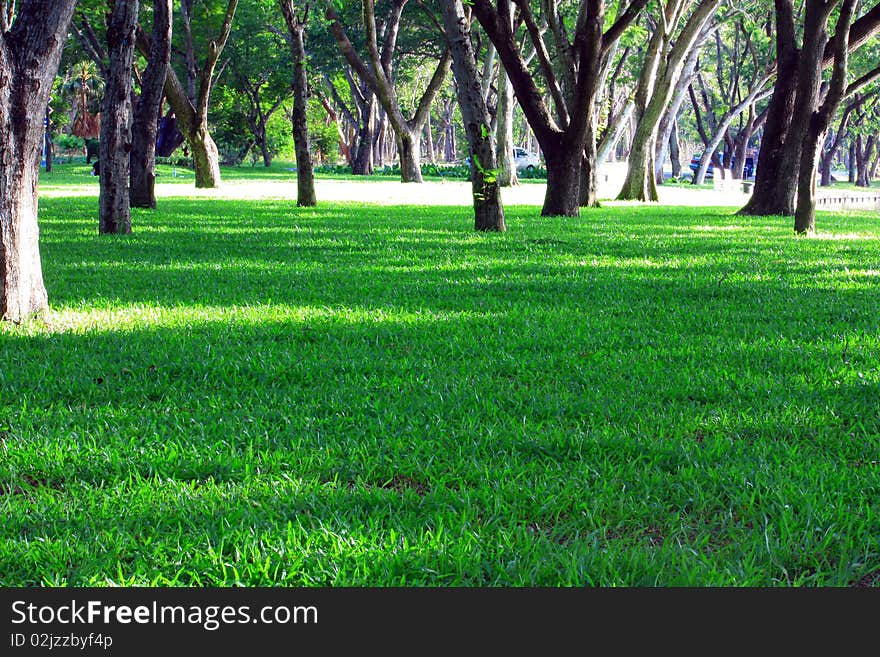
774, 186
30, 50
820, 119
144, 125
776, 177
488, 211
305, 175
114, 210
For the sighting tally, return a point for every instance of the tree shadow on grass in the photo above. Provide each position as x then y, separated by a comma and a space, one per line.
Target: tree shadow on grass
287, 386
323, 444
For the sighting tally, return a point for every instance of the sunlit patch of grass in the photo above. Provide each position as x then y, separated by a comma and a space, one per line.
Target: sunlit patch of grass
250, 393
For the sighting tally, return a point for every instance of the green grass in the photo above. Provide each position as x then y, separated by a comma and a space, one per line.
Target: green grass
251, 393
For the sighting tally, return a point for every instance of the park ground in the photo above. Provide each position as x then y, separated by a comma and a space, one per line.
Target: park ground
244, 392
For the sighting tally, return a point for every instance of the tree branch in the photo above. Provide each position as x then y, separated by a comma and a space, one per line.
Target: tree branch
89, 42
544, 60
215, 47
857, 85
427, 99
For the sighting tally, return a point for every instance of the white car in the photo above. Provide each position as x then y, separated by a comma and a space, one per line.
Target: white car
525, 160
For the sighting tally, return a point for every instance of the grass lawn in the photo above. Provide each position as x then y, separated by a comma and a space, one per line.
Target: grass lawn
244, 392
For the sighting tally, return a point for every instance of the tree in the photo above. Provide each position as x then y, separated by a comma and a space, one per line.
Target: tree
84, 83
788, 117
378, 76
820, 114
305, 176
255, 83
663, 67
737, 80
568, 141
191, 104
114, 209
145, 121
488, 211
31, 41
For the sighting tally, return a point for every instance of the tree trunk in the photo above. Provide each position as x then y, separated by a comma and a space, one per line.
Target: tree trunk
562, 197
588, 191
409, 146
863, 161
206, 158
639, 183
305, 175
115, 157
741, 144
362, 163
675, 151
669, 120
48, 145
264, 150
820, 118
851, 161
805, 212
825, 163
776, 181
507, 174
613, 134
875, 164
30, 50
378, 76
429, 142
488, 210
144, 127
192, 116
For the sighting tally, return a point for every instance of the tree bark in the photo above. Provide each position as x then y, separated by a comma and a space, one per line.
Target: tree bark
614, 133
833, 145
488, 210
675, 151
305, 174
144, 127
851, 161
562, 198
820, 118
30, 50
773, 192
362, 163
507, 173
863, 150
429, 142
115, 155
48, 144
